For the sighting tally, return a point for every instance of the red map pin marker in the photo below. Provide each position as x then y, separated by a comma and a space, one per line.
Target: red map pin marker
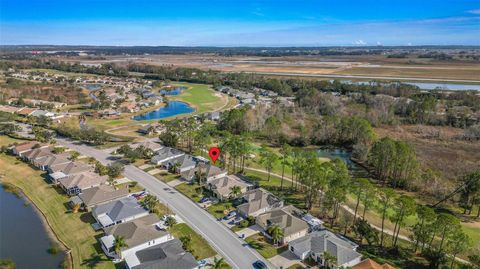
214, 153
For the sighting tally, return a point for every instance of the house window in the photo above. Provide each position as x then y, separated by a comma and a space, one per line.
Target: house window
291, 249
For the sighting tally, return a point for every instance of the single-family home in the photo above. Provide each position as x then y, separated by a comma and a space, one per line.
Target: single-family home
315, 244
181, 164
20, 149
119, 211
39, 113
77, 183
98, 195
36, 154
138, 234
25, 112
155, 100
213, 116
147, 144
222, 187
210, 172
165, 154
258, 201
51, 160
59, 171
292, 226
371, 264
149, 129
167, 255
9, 109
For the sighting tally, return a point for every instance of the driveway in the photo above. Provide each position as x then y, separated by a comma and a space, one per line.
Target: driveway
249, 231
284, 260
224, 241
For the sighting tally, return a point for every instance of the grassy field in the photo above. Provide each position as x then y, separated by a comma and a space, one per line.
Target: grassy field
73, 229
203, 98
190, 191
200, 247
260, 244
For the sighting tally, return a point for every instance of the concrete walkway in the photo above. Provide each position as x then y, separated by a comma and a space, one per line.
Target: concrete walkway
285, 260
249, 231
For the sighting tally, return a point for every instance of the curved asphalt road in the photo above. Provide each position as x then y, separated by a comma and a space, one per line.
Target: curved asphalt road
227, 243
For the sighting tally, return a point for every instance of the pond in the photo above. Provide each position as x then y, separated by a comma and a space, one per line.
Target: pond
172, 109
174, 91
23, 237
356, 170
91, 86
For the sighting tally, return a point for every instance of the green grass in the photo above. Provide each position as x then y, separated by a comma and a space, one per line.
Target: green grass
264, 248
200, 96
190, 191
167, 177
73, 229
217, 210
200, 247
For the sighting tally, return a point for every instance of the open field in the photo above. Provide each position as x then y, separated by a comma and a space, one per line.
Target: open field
73, 229
377, 65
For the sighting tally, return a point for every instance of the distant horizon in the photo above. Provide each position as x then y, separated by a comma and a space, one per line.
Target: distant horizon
262, 23
244, 46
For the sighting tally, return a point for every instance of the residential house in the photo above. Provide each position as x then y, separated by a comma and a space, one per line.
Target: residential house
139, 234
181, 164
51, 160
258, 201
222, 187
149, 129
59, 171
167, 255
147, 144
315, 244
39, 113
9, 109
210, 172
292, 226
129, 107
98, 195
155, 100
371, 264
77, 183
213, 116
165, 154
119, 211
21, 149
37, 153
25, 112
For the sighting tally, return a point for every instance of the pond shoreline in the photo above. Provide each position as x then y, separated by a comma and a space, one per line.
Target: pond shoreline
48, 227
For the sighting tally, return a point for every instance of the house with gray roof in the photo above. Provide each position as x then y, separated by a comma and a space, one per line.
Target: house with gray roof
258, 201
314, 245
222, 187
51, 160
165, 154
147, 144
59, 171
99, 195
183, 163
139, 234
77, 183
37, 153
119, 211
168, 255
292, 226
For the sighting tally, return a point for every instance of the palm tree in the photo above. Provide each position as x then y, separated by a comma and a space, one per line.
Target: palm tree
119, 243
275, 232
329, 260
235, 191
285, 151
218, 263
268, 159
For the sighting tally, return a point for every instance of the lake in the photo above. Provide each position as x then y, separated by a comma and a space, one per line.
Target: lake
23, 237
445, 86
356, 170
172, 109
174, 91
91, 86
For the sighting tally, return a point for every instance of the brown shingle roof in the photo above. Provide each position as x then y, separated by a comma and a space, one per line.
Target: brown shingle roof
371, 264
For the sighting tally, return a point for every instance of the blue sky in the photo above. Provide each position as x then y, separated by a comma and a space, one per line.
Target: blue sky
240, 23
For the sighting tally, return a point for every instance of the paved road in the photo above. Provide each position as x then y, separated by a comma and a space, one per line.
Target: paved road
220, 237
364, 77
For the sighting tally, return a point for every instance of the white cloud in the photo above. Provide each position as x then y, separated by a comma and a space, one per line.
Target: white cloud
474, 11
360, 42
379, 43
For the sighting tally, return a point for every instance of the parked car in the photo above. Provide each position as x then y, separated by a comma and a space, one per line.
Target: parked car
259, 265
237, 220
230, 215
205, 199
202, 263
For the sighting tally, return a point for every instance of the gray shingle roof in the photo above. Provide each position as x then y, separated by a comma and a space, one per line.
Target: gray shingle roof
120, 209
258, 199
284, 219
168, 255
101, 194
325, 241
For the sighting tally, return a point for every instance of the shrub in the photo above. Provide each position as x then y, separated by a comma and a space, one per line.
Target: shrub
244, 223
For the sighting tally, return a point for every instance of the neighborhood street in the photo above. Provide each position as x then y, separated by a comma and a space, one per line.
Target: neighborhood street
225, 242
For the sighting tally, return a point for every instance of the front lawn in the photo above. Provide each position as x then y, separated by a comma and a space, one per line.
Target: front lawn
192, 191
200, 247
260, 243
218, 210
